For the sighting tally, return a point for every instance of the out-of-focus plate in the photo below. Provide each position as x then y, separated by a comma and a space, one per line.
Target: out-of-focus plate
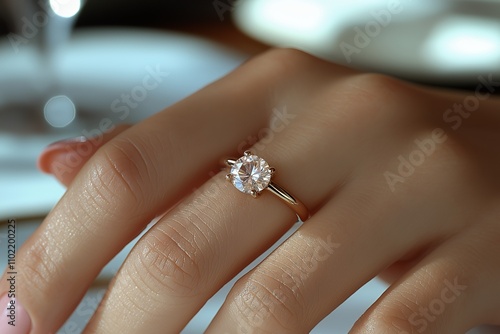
95, 69
98, 66
450, 42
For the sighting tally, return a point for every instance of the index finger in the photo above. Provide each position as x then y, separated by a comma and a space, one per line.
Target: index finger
133, 178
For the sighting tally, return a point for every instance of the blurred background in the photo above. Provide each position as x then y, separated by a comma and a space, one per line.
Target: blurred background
67, 65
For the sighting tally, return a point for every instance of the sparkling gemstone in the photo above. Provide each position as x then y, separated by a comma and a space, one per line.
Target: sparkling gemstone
250, 173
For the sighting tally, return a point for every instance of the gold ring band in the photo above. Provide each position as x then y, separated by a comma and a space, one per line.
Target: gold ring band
251, 174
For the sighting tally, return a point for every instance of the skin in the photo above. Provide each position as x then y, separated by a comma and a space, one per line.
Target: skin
438, 228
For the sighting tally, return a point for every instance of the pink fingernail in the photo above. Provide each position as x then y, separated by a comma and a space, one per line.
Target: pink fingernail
57, 148
68, 141
14, 318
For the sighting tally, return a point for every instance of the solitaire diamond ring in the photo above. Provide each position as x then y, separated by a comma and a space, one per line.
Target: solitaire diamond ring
251, 175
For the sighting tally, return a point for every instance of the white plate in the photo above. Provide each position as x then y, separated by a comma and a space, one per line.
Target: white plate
446, 42
94, 69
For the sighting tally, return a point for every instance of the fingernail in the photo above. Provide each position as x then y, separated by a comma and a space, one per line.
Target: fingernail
61, 147
15, 319
68, 141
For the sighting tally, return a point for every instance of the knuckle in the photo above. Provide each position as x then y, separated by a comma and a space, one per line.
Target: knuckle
290, 55
374, 92
122, 167
396, 323
363, 98
399, 315
375, 85
178, 252
171, 257
285, 62
262, 301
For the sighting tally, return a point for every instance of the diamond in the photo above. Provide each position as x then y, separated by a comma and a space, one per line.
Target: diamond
251, 174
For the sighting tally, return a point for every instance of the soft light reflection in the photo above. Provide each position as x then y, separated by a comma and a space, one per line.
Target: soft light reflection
301, 16
464, 43
66, 8
59, 111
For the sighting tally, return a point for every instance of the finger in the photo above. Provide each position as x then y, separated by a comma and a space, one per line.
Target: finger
316, 269
452, 290
202, 243
299, 284
184, 258
65, 158
396, 270
135, 177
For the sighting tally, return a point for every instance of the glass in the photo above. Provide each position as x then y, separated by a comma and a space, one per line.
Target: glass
39, 29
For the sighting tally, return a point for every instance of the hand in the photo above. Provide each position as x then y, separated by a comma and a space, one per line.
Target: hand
396, 184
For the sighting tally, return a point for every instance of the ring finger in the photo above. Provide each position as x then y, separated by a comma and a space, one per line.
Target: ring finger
126, 184
196, 248
207, 239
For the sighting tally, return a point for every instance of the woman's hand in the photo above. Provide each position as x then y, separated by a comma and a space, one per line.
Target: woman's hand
399, 179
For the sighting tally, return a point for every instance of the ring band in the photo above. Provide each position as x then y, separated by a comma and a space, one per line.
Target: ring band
251, 175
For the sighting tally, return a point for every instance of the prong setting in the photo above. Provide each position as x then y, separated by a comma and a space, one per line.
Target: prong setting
250, 174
